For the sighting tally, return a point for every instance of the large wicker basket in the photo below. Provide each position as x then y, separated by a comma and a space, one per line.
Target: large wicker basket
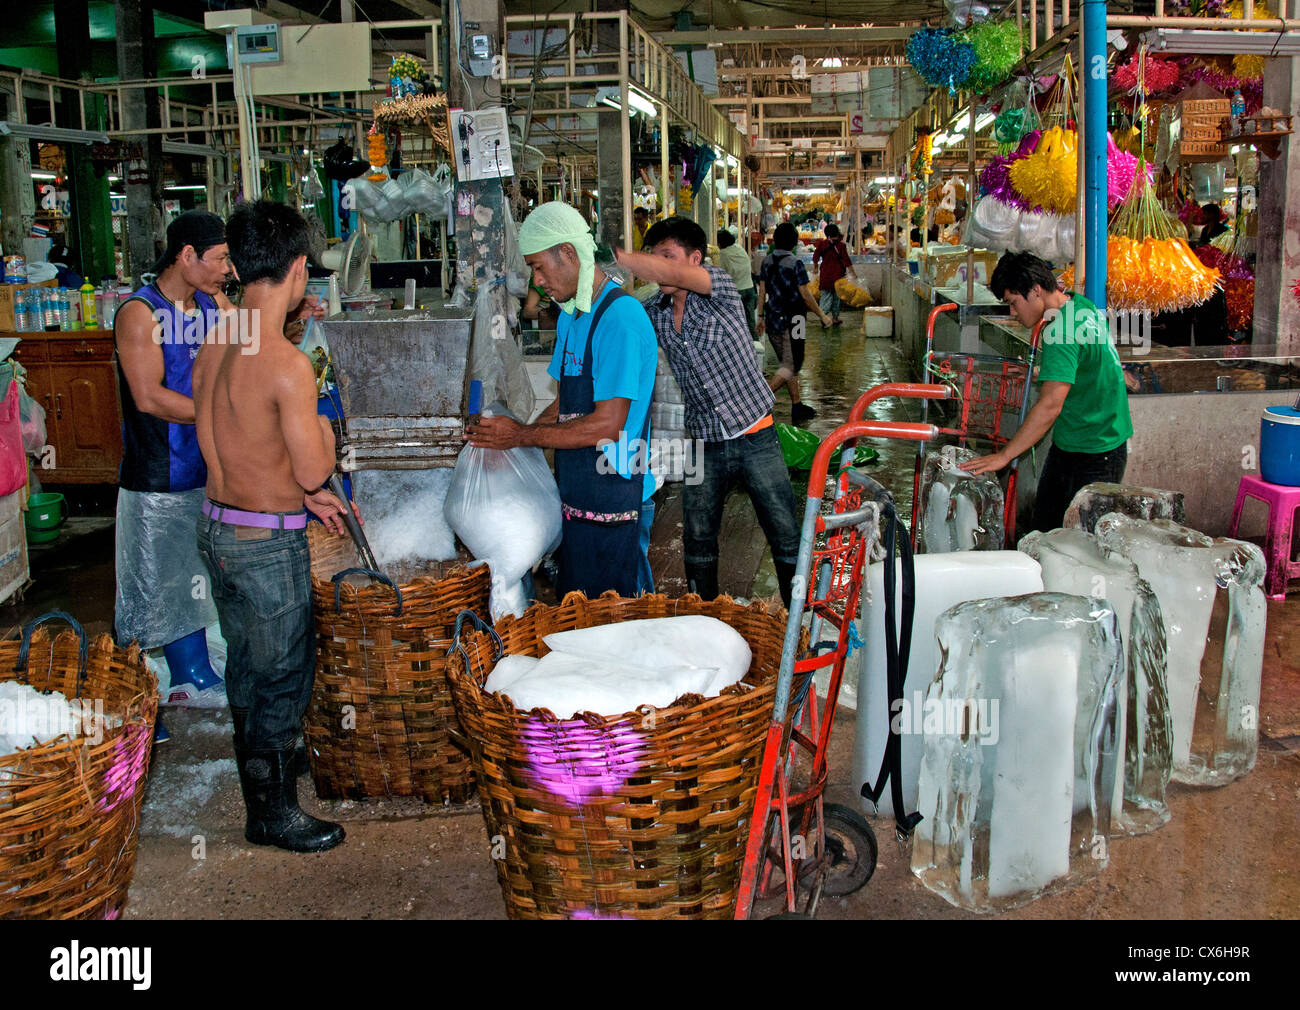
70, 809
381, 721
641, 816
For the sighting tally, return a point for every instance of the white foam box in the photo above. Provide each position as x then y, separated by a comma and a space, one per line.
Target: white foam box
14, 572
878, 321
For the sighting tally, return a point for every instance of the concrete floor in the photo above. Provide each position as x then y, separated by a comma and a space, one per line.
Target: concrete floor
1227, 853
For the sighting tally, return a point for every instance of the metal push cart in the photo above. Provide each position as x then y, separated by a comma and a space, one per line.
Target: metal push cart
988, 387
826, 847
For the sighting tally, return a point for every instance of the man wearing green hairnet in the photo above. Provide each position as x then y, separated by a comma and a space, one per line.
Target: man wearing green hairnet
599, 424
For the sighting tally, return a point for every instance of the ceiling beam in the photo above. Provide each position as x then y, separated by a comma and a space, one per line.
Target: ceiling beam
421, 8
763, 36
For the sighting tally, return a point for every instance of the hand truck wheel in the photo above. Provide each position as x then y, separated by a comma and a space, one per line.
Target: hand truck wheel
851, 850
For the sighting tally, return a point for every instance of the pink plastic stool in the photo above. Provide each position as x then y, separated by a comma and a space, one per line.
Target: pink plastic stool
1282, 503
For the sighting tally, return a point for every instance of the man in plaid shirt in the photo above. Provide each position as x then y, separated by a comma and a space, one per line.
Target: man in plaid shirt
700, 322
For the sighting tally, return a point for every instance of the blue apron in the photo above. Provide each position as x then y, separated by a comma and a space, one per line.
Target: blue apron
601, 545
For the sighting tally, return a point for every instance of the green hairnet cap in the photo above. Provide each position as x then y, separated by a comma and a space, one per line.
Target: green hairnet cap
554, 224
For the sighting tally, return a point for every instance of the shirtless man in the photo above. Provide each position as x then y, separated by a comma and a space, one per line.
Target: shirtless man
268, 455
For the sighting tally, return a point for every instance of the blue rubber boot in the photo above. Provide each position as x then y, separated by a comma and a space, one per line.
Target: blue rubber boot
187, 659
160, 734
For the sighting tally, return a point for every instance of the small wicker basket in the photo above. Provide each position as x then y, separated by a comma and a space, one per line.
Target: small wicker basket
641, 816
381, 721
70, 809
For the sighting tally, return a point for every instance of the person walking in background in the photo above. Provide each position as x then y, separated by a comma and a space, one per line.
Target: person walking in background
831, 255
732, 258
784, 301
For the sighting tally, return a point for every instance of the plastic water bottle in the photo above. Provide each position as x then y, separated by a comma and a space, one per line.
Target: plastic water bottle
1237, 110
50, 308
88, 317
65, 309
20, 310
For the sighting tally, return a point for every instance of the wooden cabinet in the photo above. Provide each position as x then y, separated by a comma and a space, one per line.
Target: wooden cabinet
74, 377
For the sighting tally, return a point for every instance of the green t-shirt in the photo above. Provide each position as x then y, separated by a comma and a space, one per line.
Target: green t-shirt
1077, 349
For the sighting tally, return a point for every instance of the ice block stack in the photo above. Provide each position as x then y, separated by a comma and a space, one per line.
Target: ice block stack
1095, 500
1214, 699
1073, 562
1018, 771
959, 511
942, 581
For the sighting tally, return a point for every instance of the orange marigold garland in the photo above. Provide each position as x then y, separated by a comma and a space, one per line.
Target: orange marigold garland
1149, 265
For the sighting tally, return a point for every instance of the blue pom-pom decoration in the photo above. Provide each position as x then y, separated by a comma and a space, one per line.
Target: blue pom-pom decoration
940, 57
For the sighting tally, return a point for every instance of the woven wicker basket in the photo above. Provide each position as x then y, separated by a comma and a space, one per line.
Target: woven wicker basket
70, 809
641, 816
381, 721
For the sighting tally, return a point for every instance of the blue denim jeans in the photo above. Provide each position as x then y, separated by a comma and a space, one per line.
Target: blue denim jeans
262, 588
754, 461
645, 580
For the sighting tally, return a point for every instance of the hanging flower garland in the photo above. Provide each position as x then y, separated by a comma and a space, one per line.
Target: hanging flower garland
1149, 265
923, 155
995, 179
941, 57
1121, 170
1049, 178
998, 47
1161, 75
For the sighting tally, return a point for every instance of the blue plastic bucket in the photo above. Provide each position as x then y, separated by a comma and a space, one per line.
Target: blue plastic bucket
1279, 446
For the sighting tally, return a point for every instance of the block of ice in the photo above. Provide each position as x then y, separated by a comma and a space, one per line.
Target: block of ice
1074, 562
1213, 699
1094, 500
568, 685
1020, 759
959, 511
688, 640
942, 580
403, 515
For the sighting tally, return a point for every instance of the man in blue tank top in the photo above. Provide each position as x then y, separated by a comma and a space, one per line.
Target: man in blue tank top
163, 596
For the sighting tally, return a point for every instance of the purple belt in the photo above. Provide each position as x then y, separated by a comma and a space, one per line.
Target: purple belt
264, 520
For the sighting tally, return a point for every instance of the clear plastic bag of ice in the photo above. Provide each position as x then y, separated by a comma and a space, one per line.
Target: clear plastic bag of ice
505, 507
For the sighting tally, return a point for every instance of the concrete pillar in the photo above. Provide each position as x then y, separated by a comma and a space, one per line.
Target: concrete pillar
1277, 263
90, 226
143, 200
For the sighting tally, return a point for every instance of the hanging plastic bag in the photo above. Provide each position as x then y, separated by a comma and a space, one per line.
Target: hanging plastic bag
993, 225
13, 455
505, 507
31, 416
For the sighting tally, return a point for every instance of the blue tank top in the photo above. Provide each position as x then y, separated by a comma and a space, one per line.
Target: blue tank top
159, 455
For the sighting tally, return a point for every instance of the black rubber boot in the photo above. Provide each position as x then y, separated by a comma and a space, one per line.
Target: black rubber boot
784, 578
271, 797
703, 579
301, 764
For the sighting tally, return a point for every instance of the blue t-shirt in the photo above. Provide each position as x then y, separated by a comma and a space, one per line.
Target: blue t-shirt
623, 363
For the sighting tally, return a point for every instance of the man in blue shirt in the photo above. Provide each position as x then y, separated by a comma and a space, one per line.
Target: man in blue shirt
599, 424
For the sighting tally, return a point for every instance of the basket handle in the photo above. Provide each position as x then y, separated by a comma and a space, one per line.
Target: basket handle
83, 650
481, 625
377, 576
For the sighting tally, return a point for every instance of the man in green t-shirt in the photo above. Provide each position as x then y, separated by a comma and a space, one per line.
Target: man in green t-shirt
1082, 400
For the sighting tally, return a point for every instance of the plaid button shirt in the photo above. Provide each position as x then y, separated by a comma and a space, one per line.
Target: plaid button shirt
783, 275
713, 360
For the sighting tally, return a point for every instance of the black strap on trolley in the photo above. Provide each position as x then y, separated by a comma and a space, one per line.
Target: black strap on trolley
898, 647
